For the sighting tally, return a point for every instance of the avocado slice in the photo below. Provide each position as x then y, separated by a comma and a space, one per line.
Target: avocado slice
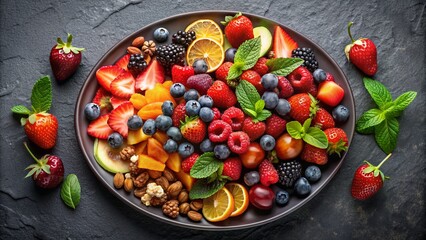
109, 158
265, 39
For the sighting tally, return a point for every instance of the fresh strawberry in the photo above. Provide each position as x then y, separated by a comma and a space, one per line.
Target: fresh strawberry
303, 106
232, 168
118, 118
47, 172
180, 74
260, 66
368, 180
179, 114
323, 119
238, 29
275, 126
301, 79
200, 82
282, 44
99, 128
223, 70
153, 74
123, 62
123, 86
188, 162
254, 129
222, 95
234, 116
193, 130
102, 98
314, 155
253, 77
337, 140
106, 74
362, 53
330, 93
116, 101
267, 172
64, 59
285, 89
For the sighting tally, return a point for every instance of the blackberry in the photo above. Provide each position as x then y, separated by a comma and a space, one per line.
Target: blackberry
183, 38
289, 172
170, 54
308, 55
137, 63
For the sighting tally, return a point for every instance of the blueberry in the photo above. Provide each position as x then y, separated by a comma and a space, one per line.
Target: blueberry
167, 108
267, 142
206, 114
281, 197
149, 127
340, 113
115, 140
269, 81
174, 133
161, 35
206, 101
283, 107
192, 108
221, 151
177, 90
319, 76
191, 94
200, 66
185, 149
92, 111
163, 122
135, 122
302, 187
313, 173
230, 54
251, 178
206, 145
271, 100
170, 146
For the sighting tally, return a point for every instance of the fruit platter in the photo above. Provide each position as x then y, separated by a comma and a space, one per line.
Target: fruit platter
215, 120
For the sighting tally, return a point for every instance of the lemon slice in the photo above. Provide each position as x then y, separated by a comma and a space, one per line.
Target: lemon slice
209, 50
219, 206
206, 28
241, 198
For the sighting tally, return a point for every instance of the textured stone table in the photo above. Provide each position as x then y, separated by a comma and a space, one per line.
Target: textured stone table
28, 31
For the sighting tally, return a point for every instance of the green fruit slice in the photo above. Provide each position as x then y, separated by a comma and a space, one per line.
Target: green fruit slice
109, 158
265, 38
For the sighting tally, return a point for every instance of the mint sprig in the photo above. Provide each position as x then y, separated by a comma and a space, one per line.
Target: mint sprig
70, 191
381, 121
250, 101
203, 188
311, 135
205, 166
245, 58
283, 66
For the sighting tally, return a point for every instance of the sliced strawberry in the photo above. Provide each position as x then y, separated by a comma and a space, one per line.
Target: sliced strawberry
123, 62
119, 116
123, 85
330, 93
153, 74
102, 98
99, 128
283, 44
116, 101
106, 74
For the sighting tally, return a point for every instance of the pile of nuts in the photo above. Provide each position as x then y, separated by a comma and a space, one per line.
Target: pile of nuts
141, 46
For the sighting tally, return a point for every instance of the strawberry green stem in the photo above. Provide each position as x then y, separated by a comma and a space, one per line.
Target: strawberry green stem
32, 155
384, 160
349, 31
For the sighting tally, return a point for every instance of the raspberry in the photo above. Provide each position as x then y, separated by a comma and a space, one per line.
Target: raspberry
268, 173
254, 78
232, 168
301, 79
253, 130
178, 114
188, 162
313, 90
200, 82
238, 142
275, 126
234, 117
219, 131
222, 71
284, 87
260, 66
216, 113
329, 77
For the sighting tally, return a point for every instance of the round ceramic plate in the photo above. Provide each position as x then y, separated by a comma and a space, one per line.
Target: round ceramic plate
252, 217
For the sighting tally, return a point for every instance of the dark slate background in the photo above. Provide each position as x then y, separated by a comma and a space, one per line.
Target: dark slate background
29, 28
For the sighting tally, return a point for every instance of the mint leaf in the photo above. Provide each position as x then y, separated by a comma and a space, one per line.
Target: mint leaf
205, 165
20, 109
307, 125
386, 134
248, 53
70, 191
263, 115
250, 112
400, 104
203, 189
369, 119
259, 105
247, 95
377, 91
294, 128
316, 137
41, 97
235, 71
283, 66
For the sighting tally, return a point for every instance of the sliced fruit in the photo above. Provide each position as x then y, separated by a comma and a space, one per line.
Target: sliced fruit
106, 74
123, 62
330, 93
219, 206
147, 162
186, 179
265, 39
174, 162
99, 128
207, 49
109, 158
116, 101
241, 198
283, 44
102, 98
158, 94
150, 111
161, 136
140, 148
138, 100
123, 85
206, 28
167, 84
155, 150
118, 118
136, 136
154, 73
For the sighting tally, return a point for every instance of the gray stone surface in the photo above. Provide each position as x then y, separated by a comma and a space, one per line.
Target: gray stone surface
28, 29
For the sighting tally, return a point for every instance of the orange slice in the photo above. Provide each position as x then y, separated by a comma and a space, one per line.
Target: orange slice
209, 50
241, 198
219, 206
206, 28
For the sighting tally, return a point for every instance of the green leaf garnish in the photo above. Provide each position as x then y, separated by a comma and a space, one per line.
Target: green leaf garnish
283, 66
41, 97
386, 134
70, 191
205, 166
245, 58
311, 135
203, 188
250, 101
378, 92
20, 109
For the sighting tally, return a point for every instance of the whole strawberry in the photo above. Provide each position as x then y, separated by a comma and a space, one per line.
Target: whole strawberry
323, 119
222, 95
47, 172
193, 130
337, 140
303, 106
188, 162
315, 155
362, 53
368, 180
40, 127
64, 59
232, 168
238, 29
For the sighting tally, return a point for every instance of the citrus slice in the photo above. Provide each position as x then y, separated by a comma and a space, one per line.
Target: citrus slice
241, 198
206, 28
207, 49
219, 206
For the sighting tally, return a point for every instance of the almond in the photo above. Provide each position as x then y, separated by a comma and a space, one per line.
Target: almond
134, 50
138, 42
